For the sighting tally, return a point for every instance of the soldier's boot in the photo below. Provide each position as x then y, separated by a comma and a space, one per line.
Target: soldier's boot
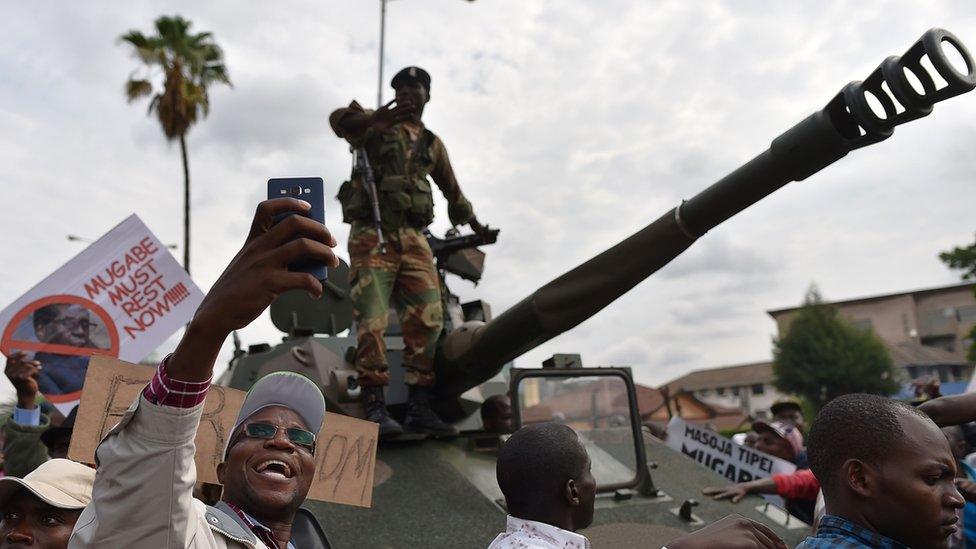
421, 418
377, 413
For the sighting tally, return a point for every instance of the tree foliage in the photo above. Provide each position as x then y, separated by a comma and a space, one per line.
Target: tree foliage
190, 63
964, 259
822, 356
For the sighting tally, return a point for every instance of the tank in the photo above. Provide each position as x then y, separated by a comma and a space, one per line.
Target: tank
477, 347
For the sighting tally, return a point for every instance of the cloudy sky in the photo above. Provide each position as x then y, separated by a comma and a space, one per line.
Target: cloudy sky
570, 124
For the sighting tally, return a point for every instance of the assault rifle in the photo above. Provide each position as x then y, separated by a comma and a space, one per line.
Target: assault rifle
369, 182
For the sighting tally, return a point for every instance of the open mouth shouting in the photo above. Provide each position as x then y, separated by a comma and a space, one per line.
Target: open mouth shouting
274, 469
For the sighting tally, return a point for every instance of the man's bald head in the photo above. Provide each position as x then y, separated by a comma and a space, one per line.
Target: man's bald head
535, 467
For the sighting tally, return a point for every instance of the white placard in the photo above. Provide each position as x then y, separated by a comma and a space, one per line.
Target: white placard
722, 455
122, 297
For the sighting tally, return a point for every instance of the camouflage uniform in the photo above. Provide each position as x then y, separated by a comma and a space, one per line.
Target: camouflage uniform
401, 160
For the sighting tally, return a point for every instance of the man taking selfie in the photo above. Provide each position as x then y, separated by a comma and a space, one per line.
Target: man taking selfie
142, 495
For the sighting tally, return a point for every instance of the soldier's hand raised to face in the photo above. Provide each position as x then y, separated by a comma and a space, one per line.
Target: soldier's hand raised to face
254, 278
386, 117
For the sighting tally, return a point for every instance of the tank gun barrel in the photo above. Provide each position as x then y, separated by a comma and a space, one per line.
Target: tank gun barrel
474, 353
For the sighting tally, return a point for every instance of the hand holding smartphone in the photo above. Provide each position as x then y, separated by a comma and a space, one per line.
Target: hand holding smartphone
309, 189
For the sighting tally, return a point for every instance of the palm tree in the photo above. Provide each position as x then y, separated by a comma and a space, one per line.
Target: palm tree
189, 63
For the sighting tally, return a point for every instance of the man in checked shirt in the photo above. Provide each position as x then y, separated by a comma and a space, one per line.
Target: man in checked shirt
143, 488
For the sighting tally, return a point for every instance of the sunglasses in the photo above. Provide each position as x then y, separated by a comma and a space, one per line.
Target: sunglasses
298, 437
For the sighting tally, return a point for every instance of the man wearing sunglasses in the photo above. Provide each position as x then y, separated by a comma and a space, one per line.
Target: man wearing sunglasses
143, 489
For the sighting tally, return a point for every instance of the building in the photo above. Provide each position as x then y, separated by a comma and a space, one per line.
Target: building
604, 403
926, 333
748, 387
935, 317
655, 408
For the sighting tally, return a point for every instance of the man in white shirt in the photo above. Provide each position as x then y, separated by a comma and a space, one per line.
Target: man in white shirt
544, 472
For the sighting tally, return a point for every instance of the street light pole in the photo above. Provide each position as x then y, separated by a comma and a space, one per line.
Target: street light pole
76, 238
379, 87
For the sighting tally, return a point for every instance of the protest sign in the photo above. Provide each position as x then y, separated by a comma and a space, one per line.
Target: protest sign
722, 455
122, 297
345, 454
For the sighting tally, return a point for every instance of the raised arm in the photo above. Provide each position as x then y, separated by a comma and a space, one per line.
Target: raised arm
143, 489
352, 123
951, 410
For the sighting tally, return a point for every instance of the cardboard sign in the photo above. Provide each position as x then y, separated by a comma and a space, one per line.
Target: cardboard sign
345, 450
722, 455
122, 297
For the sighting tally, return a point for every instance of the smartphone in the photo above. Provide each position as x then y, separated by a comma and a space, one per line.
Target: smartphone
309, 189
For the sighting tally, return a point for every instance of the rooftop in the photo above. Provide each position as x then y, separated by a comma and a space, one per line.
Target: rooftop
857, 300
725, 376
911, 353
902, 355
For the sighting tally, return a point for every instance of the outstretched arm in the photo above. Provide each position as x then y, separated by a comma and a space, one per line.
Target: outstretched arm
736, 492
255, 277
143, 489
951, 410
732, 532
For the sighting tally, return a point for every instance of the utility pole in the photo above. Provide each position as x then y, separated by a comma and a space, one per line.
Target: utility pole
379, 86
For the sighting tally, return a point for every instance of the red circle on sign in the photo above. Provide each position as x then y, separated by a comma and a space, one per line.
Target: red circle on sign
7, 344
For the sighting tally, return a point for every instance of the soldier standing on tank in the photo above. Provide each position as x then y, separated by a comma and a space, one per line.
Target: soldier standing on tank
402, 152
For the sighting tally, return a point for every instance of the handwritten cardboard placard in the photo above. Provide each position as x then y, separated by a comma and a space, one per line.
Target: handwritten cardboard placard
345, 453
722, 455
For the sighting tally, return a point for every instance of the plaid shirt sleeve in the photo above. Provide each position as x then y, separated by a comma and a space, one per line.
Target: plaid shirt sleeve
166, 391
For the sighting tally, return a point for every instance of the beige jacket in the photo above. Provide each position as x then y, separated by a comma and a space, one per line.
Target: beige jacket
143, 494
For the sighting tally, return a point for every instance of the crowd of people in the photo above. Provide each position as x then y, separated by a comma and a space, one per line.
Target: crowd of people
889, 476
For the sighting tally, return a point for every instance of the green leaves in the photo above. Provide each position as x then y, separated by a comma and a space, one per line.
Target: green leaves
135, 89
189, 62
822, 356
964, 259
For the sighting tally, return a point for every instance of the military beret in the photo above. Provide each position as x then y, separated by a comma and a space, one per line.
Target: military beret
411, 73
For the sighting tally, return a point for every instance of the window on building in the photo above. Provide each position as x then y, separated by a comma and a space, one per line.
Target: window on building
758, 389
956, 372
863, 324
703, 393
938, 322
735, 391
720, 391
947, 342
967, 314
